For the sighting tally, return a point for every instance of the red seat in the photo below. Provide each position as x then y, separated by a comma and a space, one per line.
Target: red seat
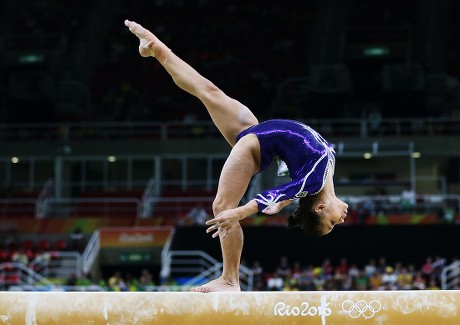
5, 256
28, 245
60, 245
44, 245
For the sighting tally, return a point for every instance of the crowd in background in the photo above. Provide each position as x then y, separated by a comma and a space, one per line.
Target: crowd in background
286, 275
377, 274
374, 275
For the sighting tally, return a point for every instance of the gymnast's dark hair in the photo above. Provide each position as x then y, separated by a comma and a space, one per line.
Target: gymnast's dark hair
305, 217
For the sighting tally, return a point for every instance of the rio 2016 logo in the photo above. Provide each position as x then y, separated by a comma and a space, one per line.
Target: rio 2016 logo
355, 310
282, 309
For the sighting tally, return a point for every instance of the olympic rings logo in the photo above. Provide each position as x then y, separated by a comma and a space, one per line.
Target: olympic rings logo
361, 308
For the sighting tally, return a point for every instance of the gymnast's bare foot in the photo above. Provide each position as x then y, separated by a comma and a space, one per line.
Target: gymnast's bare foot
219, 284
149, 45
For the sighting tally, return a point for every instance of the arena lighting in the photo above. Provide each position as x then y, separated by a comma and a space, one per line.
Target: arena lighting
416, 154
376, 51
367, 155
111, 158
31, 58
14, 160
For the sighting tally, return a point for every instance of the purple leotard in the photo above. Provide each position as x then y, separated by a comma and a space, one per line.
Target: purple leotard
306, 153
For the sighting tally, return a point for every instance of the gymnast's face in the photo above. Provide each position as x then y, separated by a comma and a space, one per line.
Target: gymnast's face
333, 211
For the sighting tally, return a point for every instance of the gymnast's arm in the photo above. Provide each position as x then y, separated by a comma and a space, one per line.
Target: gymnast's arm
224, 220
277, 207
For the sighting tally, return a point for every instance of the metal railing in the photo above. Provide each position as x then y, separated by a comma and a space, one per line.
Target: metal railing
151, 191
397, 204
450, 276
58, 264
198, 267
13, 273
179, 207
347, 127
91, 251
42, 199
96, 207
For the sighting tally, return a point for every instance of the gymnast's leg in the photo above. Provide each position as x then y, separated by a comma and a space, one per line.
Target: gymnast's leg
240, 166
228, 114
230, 117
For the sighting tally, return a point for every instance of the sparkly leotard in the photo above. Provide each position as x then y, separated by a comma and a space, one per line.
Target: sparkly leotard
306, 153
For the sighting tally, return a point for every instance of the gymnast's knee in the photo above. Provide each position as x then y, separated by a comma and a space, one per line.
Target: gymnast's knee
220, 204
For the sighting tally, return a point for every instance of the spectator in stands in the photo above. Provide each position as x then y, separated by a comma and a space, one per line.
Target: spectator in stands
361, 281
296, 270
257, 271
375, 281
327, 269
408, 199
71, 282
259, 285
305, 279
306, 284
419, 282
348, 283
42, 256
85, 281
76, 239
290, 283
389, 279
370, 268
343, 266
398, 268
438, 264
117, 283
198, 215
170, 282
330, 285
283, 268
254, 145
318, 278
146, 278
427, 268
353, 271
339, 279
405, 279
382, 265
20, 256
432, 285
275, 282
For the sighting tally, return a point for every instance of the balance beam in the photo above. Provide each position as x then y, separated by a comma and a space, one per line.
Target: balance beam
326, 307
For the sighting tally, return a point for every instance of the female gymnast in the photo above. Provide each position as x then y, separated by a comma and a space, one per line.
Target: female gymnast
310, 160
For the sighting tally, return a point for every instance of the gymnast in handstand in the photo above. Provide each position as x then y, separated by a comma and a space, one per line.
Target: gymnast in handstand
309, 158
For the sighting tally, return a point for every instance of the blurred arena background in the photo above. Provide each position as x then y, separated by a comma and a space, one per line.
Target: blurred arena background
108, 171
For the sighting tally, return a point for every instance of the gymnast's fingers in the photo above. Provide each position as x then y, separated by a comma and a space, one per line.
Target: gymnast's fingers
222, 232
212, 228
212, 221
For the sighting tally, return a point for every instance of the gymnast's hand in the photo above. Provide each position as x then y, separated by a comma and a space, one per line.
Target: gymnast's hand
223, 222
275, 208
228, 218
